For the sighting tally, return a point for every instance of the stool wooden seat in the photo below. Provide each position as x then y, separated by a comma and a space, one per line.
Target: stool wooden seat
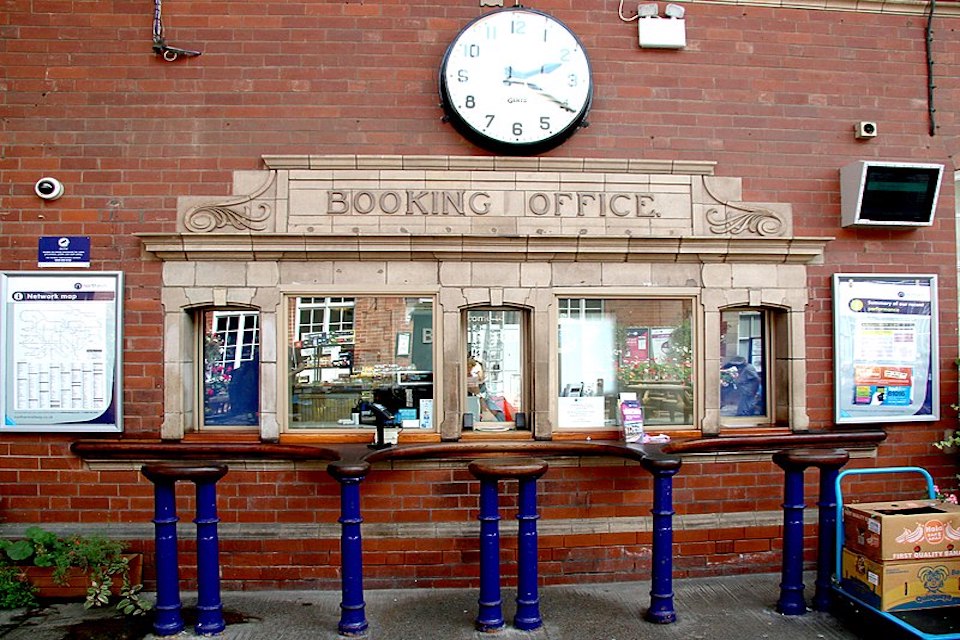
508, 468
166, 472
803, 458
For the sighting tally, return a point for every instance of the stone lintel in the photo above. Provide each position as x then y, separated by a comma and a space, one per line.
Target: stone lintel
230, 247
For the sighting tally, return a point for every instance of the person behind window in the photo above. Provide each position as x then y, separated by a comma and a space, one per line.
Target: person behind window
477, 386
747, 381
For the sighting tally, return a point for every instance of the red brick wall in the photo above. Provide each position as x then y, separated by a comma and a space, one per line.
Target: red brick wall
770, 95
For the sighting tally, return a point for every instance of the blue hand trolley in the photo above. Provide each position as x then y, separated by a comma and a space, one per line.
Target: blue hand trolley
926, 624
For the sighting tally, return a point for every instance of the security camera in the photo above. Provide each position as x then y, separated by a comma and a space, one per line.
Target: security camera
48, 188
863, 130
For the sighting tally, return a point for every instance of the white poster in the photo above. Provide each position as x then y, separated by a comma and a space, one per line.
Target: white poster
580, 412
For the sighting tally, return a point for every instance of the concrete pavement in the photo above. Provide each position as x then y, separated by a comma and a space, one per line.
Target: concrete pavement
726, 608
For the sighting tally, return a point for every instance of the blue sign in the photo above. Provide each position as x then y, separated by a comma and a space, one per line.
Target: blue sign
64, 251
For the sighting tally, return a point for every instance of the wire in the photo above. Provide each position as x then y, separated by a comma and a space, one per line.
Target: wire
157, 23
625, 18
931, 111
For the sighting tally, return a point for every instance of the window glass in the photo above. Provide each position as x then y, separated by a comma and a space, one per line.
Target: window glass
348, 352
495, 373
625, 349
743, 370
231, 367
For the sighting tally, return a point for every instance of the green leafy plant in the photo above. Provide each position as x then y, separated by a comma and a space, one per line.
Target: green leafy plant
132, 602
99, 559
949, 442
15, 590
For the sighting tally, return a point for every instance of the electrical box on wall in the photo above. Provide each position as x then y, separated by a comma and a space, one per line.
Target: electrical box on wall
663, 33
889, 194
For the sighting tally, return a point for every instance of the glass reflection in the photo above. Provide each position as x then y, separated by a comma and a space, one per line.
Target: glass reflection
348, 351
231, 367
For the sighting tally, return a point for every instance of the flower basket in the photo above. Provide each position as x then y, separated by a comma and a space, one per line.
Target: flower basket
77, 582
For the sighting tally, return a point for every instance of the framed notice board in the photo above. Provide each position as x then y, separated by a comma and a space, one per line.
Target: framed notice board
885, 348
60, 351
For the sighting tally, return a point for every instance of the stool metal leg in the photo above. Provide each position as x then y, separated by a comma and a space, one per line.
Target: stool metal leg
490, 615
662, 609
353, 618
527, 617
826, 549
791, 600
168, 620
209, 606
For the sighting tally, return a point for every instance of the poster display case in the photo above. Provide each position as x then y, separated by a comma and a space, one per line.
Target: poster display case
60, 351
885, 348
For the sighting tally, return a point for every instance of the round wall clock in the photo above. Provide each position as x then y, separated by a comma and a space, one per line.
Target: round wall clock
516, 81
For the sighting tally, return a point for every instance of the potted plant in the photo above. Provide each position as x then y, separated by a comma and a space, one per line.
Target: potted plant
76, 565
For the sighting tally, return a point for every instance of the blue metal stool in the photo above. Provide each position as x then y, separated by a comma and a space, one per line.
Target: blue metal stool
164, 477
489, 472
794, 462
353, 617
662, 609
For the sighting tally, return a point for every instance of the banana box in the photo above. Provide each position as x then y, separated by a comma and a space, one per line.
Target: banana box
905, 530
902, 586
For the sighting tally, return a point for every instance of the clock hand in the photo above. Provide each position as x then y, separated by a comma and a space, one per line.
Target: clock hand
563, 103
550, 68
547, 68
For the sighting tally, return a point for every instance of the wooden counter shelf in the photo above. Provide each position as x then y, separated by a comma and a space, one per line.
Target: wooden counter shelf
142, 449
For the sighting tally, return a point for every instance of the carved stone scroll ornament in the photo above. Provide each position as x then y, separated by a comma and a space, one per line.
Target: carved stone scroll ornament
739, 219
240, 213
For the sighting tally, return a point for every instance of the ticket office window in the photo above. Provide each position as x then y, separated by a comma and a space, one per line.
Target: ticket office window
611, 350
746, 381
230, 346
347, 352
496, 394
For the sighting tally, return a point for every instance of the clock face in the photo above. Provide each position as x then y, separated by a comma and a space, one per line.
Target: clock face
516, 81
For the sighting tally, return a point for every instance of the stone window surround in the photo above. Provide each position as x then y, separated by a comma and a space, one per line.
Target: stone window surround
246, 269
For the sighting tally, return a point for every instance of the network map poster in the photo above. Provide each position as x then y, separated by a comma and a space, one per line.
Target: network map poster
885, 348
60, 350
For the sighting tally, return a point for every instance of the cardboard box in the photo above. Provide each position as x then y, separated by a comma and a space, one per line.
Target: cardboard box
905, 530
901, 586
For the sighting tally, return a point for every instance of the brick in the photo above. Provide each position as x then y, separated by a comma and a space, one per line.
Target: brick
138, 132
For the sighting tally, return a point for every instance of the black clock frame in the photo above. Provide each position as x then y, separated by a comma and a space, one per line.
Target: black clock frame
499, 146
